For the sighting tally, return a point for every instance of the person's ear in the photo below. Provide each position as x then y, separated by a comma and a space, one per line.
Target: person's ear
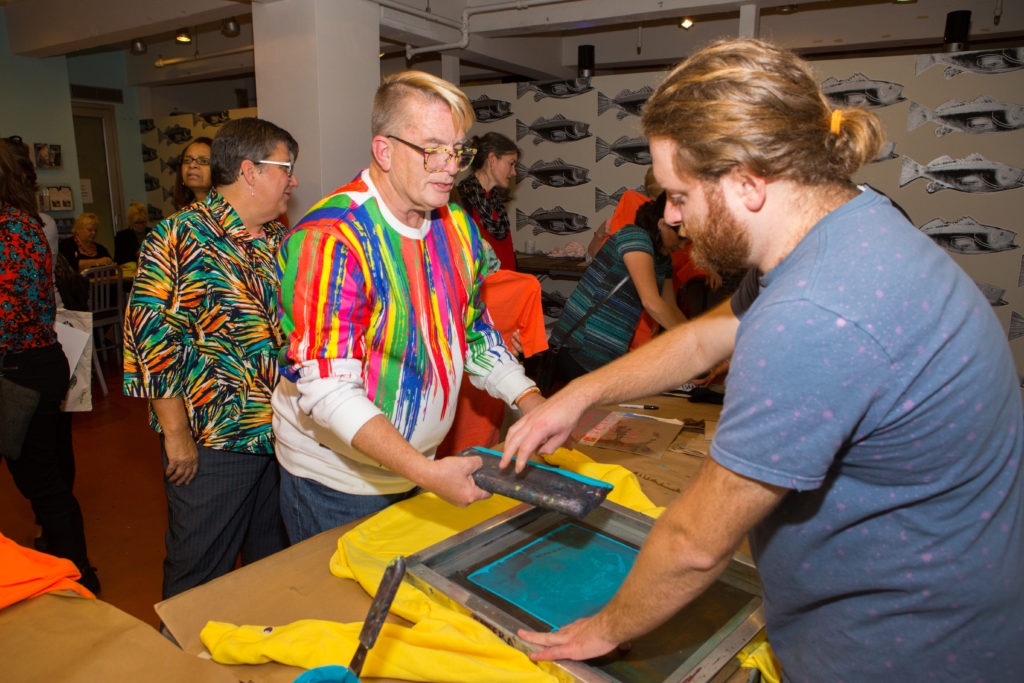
750, 188
248, 172
380, 148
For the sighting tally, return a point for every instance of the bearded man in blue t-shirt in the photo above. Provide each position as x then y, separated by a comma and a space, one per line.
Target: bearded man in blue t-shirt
871, 439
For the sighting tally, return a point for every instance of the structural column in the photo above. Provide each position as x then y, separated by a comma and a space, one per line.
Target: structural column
317, 69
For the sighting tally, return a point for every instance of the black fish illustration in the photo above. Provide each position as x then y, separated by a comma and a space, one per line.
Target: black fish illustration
979, 61
1020, 273
627, 102
860, 91
626, 150
168, 194
887, 152
211, 119
170, 164
603, 199
557, 221
155, 215
146, 125
557, 173
993, 294
560, 89
553, 303
968, 236
177, 134
981, 115
148, 153
555, 129
488, 110
973, 173
1016, 326
151, 182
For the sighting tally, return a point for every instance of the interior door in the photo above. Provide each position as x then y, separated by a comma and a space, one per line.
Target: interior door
99, 167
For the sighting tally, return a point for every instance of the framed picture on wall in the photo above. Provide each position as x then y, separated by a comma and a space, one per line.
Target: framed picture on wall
60, 198
48, 156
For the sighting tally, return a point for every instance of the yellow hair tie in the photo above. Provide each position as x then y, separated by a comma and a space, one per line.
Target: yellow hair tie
837, 118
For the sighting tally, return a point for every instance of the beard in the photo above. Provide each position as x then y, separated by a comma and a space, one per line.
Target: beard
719, 242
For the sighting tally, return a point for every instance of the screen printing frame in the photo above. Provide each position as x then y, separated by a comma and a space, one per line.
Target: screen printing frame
441, 571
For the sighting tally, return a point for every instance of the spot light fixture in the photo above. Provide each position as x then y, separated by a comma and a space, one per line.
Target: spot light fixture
183, 36
686, 23
138, 46
230, 28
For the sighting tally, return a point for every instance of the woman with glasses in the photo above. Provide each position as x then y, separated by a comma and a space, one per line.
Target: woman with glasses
484, 192
202, 341
193, 181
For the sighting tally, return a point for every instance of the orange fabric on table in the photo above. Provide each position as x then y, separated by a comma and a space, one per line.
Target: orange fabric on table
513, 301
26, 573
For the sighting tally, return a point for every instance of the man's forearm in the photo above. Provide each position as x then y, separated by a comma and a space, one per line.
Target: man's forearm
171, 414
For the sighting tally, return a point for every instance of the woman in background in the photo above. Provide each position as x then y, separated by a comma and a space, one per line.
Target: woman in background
639, 253
82, 250
31, 357
193, 182
127, 242
484, 192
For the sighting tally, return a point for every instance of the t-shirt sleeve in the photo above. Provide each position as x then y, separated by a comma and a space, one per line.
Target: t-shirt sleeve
801, 381
633, 238
745, 294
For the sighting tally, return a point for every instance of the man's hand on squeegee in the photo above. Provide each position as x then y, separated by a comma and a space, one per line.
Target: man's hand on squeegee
582, 639
544, 427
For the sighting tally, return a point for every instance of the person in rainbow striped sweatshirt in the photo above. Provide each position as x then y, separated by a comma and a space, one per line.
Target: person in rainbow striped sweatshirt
380, 301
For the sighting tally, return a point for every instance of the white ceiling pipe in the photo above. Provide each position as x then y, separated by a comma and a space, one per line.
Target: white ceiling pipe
160, 63
399, 7
411, 51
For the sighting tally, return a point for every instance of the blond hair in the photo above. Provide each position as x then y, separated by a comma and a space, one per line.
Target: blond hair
748, 103
388, 114
83, 218
137, 211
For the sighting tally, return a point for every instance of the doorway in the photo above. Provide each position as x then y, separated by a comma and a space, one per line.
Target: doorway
99, 167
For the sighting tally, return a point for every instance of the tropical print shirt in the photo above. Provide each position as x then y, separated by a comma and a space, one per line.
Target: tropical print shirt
202, 324
27, 306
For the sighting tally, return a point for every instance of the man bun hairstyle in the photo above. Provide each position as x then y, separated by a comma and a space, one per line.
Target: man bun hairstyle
246, 138
746, 102
388, 116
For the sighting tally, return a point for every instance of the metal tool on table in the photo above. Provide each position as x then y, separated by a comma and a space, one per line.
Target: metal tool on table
545, 487
389, 584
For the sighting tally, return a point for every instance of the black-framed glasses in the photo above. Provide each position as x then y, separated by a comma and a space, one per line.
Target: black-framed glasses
289, 166
436, 158
202, 161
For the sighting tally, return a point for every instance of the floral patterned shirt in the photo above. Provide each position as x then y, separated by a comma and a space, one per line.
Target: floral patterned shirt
202, 324
27, 305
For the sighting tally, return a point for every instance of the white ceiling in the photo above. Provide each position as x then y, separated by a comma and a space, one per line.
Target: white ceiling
526, 38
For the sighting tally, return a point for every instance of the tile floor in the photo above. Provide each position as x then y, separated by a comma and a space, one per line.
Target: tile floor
120, 488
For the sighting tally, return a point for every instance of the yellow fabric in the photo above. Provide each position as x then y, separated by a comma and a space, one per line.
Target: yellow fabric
758, 655
442, 643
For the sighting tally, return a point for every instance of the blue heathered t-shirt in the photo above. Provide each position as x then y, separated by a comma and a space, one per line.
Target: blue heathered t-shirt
871, 377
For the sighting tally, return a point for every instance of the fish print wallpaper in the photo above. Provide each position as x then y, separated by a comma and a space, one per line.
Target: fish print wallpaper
163, 139
953, 157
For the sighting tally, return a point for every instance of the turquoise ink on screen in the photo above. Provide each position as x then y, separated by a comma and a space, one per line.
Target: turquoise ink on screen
569, 573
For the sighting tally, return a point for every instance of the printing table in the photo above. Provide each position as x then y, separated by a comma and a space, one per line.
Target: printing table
296, 583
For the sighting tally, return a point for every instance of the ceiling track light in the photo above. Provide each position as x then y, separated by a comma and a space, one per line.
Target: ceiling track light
230, 28
138, 46
183, 36
686, 24
787, 9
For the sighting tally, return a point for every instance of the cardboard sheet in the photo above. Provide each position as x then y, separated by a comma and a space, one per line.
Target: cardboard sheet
67, 638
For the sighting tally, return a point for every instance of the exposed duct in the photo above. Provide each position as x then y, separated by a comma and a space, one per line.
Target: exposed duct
160, 63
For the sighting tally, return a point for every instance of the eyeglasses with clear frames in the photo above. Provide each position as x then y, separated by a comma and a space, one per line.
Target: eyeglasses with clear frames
289, 166
436, 158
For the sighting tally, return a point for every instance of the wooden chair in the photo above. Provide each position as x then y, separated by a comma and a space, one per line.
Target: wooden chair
106, 304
